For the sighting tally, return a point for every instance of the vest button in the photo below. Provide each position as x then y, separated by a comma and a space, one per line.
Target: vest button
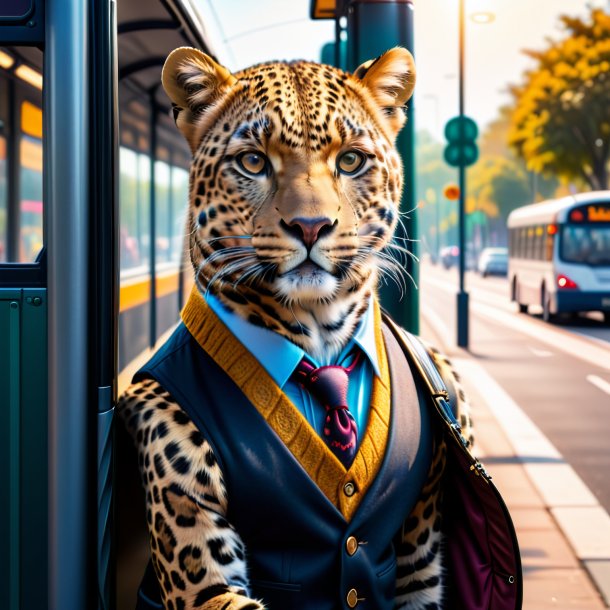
352, 598
349, 489
351, 545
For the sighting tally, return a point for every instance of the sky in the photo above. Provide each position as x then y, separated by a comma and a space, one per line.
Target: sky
245, 33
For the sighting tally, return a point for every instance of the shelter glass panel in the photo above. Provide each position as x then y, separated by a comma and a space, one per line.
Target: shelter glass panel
30, 187
134, 190
163, 211
180, 194
21, 150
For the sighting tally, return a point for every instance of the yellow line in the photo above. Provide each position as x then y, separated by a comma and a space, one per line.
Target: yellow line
134, 292
166, 283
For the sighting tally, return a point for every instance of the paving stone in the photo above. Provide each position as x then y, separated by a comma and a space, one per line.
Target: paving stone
554, 578
587, 529
544, 549
559, 589
536, 519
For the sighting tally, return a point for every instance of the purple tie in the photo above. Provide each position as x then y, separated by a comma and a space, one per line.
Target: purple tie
328, 384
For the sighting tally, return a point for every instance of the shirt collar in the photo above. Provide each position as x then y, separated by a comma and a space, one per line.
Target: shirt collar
364, 337
279, 356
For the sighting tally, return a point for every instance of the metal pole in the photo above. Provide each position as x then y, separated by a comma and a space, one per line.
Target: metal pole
66, 68
437, 206
152, 339
462, 297
338, 37
104, 283
373, 27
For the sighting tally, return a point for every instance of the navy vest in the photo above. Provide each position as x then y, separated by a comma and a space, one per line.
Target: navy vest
299, 557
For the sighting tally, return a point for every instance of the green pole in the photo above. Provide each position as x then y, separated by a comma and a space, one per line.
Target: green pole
462, 296
327, 55
373, 27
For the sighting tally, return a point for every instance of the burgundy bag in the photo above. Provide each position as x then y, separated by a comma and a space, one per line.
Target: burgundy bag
483, 559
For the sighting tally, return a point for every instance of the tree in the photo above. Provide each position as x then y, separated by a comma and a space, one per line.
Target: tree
499, 185
561, 121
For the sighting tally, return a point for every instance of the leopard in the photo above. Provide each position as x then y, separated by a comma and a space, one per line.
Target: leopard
294, 198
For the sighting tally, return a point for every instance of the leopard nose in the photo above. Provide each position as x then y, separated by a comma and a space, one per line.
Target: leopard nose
309, 230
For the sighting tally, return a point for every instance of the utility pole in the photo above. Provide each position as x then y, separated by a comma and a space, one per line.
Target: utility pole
373, 27
462, 297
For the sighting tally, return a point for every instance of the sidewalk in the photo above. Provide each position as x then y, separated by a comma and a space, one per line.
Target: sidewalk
554, 576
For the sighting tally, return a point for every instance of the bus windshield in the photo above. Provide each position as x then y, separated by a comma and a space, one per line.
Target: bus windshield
586, 244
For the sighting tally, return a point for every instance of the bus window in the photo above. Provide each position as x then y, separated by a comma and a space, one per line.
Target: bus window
548, 246
134, 188
586, 244
522, 242
539, 243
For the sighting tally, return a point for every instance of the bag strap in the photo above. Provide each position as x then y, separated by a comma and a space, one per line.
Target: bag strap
417, 353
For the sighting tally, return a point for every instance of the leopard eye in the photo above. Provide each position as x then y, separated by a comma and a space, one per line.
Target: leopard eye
253, 163
350, 162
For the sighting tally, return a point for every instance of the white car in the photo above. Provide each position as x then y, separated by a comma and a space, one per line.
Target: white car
493, 261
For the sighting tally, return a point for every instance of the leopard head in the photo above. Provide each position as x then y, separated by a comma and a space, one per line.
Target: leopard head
294, 188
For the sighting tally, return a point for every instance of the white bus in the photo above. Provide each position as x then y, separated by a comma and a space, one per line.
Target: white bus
559, 255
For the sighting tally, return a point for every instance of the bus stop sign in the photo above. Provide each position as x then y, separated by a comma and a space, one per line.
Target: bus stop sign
461, 150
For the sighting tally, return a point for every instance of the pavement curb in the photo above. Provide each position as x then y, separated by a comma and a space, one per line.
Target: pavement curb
579, 517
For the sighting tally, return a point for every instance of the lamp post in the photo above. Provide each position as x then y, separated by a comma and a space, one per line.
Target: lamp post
462, 296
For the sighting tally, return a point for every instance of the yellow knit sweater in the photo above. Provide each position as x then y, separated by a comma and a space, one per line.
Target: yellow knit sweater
287, 421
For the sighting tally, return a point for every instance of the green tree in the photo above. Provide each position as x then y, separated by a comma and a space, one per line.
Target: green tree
561, 120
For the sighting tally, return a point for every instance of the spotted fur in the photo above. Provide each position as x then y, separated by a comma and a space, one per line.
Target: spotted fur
419, 557
186, 502
198, 557
253, 246
301, 117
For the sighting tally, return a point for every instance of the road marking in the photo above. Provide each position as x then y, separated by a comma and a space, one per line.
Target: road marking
541, 353
603, 385
555, 479
575, 346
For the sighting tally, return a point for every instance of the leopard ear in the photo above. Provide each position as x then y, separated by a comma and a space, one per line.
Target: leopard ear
391, 80
193, 81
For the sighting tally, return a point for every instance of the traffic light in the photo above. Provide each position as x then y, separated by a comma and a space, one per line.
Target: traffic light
451, 192
461, 150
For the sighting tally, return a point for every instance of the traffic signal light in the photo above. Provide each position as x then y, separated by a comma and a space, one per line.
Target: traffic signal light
452, 192
461, 150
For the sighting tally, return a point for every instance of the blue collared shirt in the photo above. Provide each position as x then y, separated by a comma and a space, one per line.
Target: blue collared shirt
280, 357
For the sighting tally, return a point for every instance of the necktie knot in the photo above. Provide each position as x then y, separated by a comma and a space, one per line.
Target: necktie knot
329, 385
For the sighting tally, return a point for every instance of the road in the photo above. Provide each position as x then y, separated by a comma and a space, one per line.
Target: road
559, 374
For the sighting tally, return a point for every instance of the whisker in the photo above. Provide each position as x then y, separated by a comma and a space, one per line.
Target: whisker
215, 239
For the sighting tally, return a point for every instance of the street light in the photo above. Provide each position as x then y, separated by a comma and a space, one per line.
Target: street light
462, 296
482, 18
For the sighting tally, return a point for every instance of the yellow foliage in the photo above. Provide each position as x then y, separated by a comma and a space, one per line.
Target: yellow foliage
562, 107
